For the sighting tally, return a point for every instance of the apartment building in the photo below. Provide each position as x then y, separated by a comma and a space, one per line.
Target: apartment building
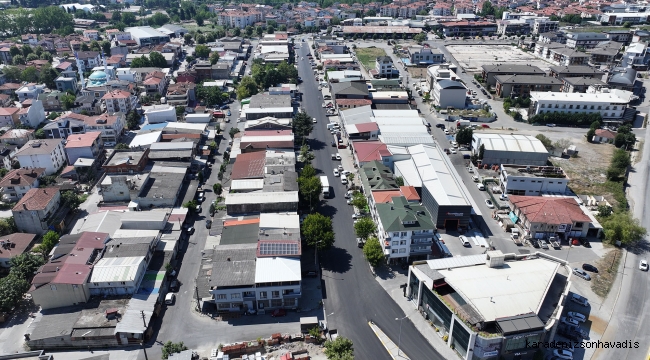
238, 18
44, 153
611, 104
119, 101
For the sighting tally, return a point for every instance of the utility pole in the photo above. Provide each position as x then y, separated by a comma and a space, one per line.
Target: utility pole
196, 289
144, 350
144, 321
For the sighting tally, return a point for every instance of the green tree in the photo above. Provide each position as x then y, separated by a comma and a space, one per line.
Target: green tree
24, 265
548, 144
12, 289
180, 111
306, 155
70, 199
604, 210
132, 119
191, 205
30, 74
270, 29
140, 62
128, 18
233, 131
18, 60
399, 181
481, 151
308, 171
365, 227
12, 73
48, 74
249, 31
122, 146
464, 135
618, 165
359, 201
302, 125
202, 51
31, 57
236, 32
187, 38
373, 252
317, 231
157, 60
259, 31
214, 57
621, 226
50, 239
39, 134
590, 135
46, 56
420, 37
247, 87
172, 348
339, 349
217, 188
309, 189
67, 101
14, 51
159, 19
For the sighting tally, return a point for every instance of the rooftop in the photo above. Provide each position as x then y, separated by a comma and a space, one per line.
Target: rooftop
116, 269
15, 244
263, 101
534, 171
240, 232
36, 199
277, 269
39, 147
82, 140
21, 177
249, 166
124, 157
512, 69
400, 215
386, 196
527, 79
614, 96
549, 210
234, 265
504, 142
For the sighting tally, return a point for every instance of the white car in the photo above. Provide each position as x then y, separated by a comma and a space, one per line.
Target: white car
338, 156
577, 316
480, 187
489, 203
345, 173
453, 151
463, 240
302, 58
340, 168
314, 121
643, 265
344, 181
336, 173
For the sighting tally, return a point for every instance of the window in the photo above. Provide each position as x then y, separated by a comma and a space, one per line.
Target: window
615, 108
543, 105
235, 296
599, 107
276, 303
570, 106
403, 242
394, 251
222, 296
592, 107
402, 251
395, 243
262, 294
275, 294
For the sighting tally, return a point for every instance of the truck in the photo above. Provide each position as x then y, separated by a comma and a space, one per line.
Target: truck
515, 236
462, 123
326, 186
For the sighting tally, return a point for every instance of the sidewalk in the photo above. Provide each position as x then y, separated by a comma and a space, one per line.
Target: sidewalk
390, 280
393, 350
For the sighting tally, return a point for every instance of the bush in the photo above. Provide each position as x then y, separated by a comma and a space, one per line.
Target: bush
575, 119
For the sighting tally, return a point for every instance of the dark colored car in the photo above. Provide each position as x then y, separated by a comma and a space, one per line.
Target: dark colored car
590, 267
208, 224
584, 242
174, 286
535, 243
440, 126
278, 313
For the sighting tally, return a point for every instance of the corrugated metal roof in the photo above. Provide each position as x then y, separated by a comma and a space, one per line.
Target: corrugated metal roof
277, 269
116, 269
456, 262
261, 197
504, 142
247, 184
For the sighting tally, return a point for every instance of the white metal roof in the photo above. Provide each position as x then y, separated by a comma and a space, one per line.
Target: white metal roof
409, 172
247, 184
189, 126
126, 233
266, 138
405, 138
396, 113
279, 221
505, 142
456, 262
277, 269
146, 139
269, 110
438, 175
180, 145
261, 197
398, 120
116, 269
613, 96
518, 287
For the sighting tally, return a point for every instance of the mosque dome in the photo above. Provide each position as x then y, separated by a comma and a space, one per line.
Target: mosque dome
98, 76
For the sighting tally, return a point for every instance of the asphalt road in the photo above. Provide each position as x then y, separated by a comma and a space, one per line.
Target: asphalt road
352, 296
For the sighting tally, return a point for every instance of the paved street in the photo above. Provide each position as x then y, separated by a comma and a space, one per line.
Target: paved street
352, 297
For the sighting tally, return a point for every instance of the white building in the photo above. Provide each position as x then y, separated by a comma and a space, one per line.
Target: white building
611, 104
146, 35
44, 153
117, 276
440, 72
119, 101
384, 66
33, 115
160, 113
532, 180
510, 149
449, 93
29, 91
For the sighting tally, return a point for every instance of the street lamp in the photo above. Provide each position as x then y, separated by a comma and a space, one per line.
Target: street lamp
399, 339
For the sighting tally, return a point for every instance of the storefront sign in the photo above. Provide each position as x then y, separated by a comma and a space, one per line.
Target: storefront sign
455, 214
490, 353
513, 217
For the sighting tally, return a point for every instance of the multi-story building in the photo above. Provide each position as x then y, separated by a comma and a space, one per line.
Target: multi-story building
239, 19
580, 84
405, 230
384, 66
532, 180
65, 83
180, 94
33, 115
146, 35
44, 153
29, 91
544, 25
33, 213
542, 217
618, 18
88, 59
587, 40
490, 72
86, 146
561, 72
119, 101
18, 182
521, 85
449, 94
611, 104
468, 28
421, 55
9, 116
155, 83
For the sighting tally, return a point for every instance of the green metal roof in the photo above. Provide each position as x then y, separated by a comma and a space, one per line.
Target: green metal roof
377, 176
404, 216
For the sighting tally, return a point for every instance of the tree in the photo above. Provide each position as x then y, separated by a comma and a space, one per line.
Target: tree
399, 181
122, 146
548, 144
317, 231
604, 210
305, 155
339, 349
159, 19
18, 60
232, 132
247, 87
420, 37
50, 239
39, 134
187, 38
217, 188
259, 31
30, 74
128, 18
140, 62
71, 200
31, 57
12, 289
12, 73
236, 32
24, 265
308, 171
270, 29
85, 47
214, 57
464, 135
249, 31
621, 226
302, 125
14, 51
627, 24
202, 51
180, 111
212, 95
309, 191
481, 151
67, 101
191, 205
618, 165
132, 119
48, 75
359, 201
365, 227
46, 56
373, 252
172, 348
157, 60
590, 135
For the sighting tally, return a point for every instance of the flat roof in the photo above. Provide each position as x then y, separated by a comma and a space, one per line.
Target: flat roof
240, 234
504, 142
279, 221
234, 265
515, 288
261, 197
277, 269
124, 157
613, 96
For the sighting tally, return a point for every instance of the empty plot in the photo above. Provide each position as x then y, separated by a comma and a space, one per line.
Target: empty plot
472, 57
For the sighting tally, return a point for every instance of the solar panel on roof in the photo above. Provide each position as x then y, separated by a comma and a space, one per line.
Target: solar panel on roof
270, 248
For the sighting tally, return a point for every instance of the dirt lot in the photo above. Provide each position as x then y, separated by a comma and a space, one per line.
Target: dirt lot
608, 266
417, 72
472, 57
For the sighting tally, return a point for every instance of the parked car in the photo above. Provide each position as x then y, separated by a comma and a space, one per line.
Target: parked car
489, 203
208, 224
581, 273
577, 316
170, 298
190, 230
579, 300
569, 321
550, 125
463, 240
345, 173
360, 243
535, 243
584, 242
590, 267
174, 285
344, 181
543, 244
480, 187
279, 313
338, 156
563, 354
643, 265
336, 173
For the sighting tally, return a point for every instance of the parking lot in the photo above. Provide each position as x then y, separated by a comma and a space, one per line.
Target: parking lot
472, 57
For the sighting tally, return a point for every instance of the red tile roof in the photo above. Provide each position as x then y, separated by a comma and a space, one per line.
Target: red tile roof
241, 222
386, 196
352, 102
75, 274
21, 177
409, 193
15, 244
36, 199
545, 210
367, 127
8, 111
82, 140
116, 94
267, 132
249, 166
607, 134
370, 150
